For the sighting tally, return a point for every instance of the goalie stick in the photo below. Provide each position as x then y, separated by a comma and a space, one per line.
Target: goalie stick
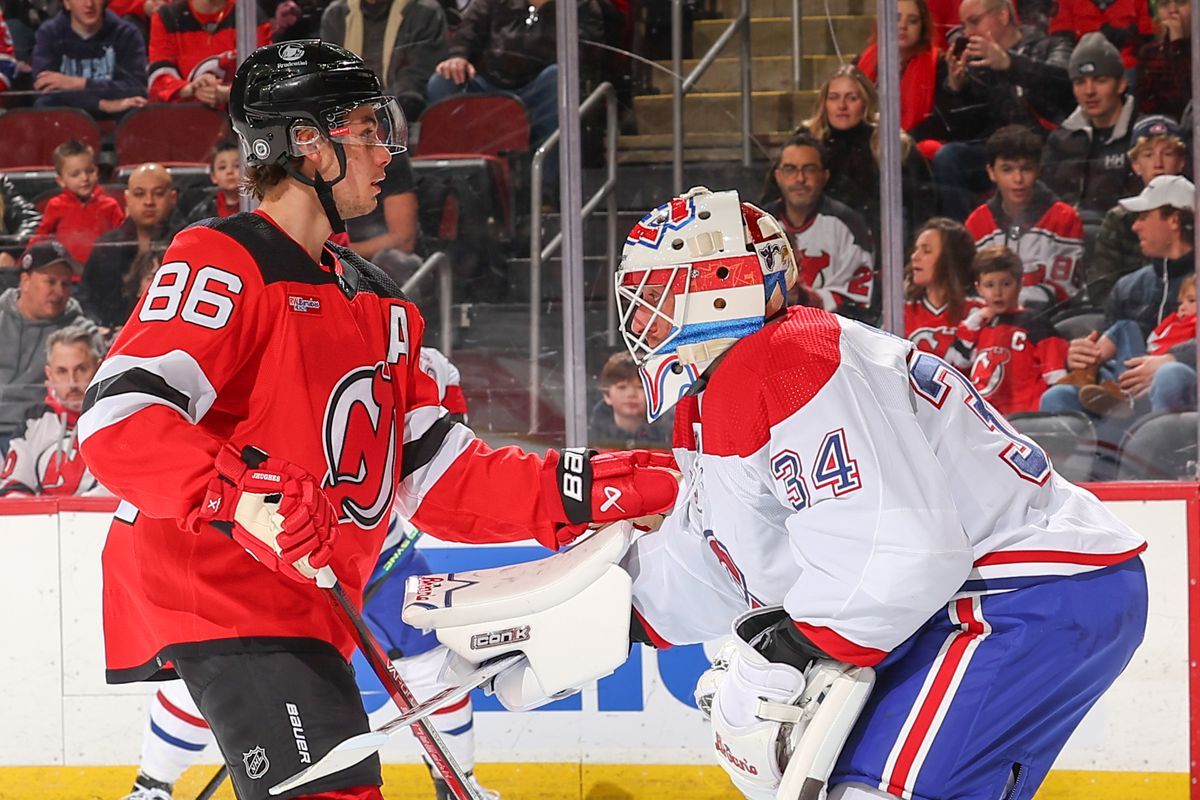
356, 748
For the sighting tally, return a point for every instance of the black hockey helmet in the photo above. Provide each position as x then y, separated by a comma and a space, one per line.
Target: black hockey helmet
286, 96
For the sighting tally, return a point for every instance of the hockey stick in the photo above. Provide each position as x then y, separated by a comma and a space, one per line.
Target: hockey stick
214, 783
429, 738
392, 561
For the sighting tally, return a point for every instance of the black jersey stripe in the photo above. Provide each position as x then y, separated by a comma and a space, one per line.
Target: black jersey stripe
136, 381
419, 452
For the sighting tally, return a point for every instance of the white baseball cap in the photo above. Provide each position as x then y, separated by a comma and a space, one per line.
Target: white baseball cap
1165, 190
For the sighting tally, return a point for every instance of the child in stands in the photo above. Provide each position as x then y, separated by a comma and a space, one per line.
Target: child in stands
83, 211
1015, 354
225, 171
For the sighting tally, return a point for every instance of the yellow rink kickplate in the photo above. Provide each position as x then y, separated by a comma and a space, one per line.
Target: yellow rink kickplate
553, 782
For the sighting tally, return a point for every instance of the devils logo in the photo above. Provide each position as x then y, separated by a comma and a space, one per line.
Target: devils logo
360, 445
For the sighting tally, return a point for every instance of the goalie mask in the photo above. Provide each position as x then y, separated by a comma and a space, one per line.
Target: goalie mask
287, 98
696, 275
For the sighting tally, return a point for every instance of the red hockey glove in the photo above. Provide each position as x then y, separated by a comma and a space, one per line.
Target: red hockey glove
598, 488
296, 537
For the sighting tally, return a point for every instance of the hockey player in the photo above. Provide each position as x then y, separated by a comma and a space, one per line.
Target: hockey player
176, 732
258, 333
849, 497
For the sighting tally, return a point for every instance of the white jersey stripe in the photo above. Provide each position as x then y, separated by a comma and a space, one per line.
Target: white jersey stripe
418, 421
936, 696
177, 369
413, 488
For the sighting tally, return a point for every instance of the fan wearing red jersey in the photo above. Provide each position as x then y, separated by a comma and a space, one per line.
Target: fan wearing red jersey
1015, 354
883, 545
257, 332
193, 51
935, 288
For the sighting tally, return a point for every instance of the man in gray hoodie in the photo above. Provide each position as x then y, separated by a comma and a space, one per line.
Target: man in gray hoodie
39, 305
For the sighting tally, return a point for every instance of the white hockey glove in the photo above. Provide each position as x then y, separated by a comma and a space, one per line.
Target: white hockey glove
772, 722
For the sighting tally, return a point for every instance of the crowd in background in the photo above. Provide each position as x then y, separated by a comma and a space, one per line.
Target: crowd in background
1045, 167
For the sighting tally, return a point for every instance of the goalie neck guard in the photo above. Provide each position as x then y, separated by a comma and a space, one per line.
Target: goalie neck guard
287, 97
696, 275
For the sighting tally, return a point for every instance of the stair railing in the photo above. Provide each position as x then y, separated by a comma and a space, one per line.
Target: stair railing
538, 254
440, 263
682, 85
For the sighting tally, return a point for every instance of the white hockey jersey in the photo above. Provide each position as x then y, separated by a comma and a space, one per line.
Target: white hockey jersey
860, 482
45, 459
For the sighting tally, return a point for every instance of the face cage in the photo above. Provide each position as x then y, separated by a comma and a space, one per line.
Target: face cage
629, 300
390, 129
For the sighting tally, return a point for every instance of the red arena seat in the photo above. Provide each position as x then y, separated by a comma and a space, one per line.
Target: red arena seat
31, 134
169, 134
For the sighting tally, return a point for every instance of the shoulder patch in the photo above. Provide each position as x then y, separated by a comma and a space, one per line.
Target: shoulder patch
766, 378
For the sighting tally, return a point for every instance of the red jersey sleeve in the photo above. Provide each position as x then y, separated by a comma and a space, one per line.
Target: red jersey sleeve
1052, 358
190, 339
51, 217
165, 78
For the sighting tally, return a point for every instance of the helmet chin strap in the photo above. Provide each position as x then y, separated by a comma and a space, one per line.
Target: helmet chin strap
324, 188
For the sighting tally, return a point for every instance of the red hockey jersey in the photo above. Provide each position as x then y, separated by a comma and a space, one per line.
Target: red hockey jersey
185, 44
242, 338
933, 331
1050, 247
1014, 358
1171, 331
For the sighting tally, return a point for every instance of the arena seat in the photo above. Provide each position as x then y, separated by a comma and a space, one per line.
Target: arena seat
1160, 447
493, 127
1075, 323
169, 134
31, 134
1068, 437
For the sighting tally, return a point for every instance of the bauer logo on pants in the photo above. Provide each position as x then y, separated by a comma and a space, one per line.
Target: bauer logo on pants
256, 763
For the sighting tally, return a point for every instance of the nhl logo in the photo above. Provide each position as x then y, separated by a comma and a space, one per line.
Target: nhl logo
256, 763
261, 148
291, 52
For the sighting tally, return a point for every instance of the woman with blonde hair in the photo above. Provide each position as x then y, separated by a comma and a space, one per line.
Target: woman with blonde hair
845, 117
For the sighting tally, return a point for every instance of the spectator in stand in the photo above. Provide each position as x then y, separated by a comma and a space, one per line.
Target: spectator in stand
193, 51
19, 221
82, 212
140, 274
510, 46
1124, 339
920, 68
1005, 73
389, 235
936, 281
23, 18
8, 58
831, 241
1124, 23
1164, 66
1026, 217
90, 58
151, 221
845, 119
137, 13
40, 305
402, 42
1086, 159
1015, 354
225, 171
44, 459
1165, 226
618, 421
1158, 149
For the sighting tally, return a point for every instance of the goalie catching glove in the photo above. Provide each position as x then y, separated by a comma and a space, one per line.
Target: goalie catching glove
778, 726
599, 488
296, 537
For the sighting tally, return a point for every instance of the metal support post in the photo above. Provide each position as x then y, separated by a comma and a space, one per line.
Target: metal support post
891, 233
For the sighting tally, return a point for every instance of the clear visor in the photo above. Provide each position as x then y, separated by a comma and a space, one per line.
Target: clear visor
651, 304
375, 123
